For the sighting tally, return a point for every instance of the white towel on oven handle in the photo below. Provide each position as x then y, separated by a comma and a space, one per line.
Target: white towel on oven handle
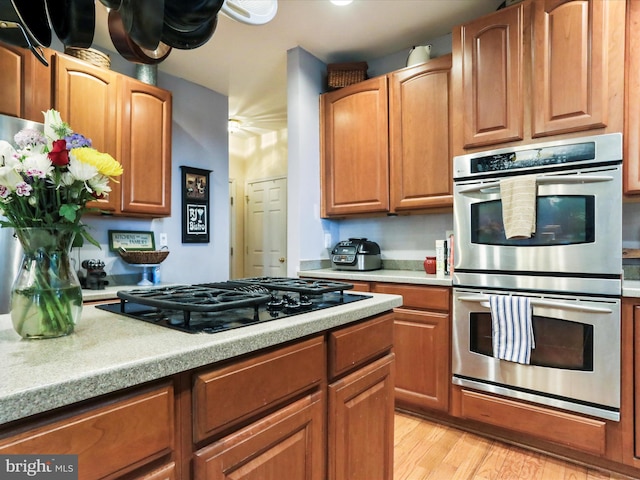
512, 328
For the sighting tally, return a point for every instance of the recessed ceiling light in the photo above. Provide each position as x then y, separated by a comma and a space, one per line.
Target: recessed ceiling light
341, 2
234, 125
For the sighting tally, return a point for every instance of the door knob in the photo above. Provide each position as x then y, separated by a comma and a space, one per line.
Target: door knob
281, 259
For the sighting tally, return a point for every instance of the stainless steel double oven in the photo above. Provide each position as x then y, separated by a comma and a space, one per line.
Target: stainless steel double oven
571, 268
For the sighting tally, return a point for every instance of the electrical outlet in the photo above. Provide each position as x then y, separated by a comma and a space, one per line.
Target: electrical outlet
163, 240
327, 240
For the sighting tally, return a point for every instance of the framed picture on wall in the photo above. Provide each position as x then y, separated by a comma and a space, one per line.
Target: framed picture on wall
195, 205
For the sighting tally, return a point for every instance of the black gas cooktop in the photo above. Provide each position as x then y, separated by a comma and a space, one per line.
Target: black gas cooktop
219, 306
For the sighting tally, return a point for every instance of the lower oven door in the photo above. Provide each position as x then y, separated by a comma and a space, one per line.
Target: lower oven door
576, 361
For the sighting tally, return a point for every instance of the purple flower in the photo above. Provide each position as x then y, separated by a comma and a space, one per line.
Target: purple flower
29, 136
77, 140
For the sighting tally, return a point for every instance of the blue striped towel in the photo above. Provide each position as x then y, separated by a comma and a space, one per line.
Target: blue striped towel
512, 329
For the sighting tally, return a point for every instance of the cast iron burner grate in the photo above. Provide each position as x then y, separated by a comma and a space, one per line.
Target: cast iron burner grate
215, 307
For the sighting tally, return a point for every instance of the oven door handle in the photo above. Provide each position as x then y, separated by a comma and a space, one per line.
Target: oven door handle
484, 302
543, 180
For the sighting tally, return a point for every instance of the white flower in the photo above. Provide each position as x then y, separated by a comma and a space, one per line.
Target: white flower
54, 127
81, 171
38, 165
10, 178
7, 152
100, 185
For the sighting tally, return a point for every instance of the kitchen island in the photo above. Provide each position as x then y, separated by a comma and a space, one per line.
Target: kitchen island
113, 364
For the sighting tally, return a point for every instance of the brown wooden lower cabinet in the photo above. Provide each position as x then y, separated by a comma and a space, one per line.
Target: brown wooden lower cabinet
285, 444
422, 346
116, 436
263, 416
361, 424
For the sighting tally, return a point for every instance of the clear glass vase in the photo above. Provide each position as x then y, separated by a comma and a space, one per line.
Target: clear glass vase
46, 297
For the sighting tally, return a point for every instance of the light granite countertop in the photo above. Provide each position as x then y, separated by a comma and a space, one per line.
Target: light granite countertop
110, 352
384, 275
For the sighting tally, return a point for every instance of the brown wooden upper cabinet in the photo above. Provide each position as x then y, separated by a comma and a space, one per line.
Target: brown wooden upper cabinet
355, 149
386, 146
419, 140
128, 119
26, 83
539, 68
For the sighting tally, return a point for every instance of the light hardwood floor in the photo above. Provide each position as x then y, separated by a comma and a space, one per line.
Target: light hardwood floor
429, 451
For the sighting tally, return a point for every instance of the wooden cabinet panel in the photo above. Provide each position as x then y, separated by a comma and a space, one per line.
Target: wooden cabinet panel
570, 82
117, 437
353, 346
145, 124
416, 296
87, 98
632, 103
360, 425
12, 67
231, 394
491, 56
422, 346
287, 444
588, 435
26, 83
419, 140
167, 472
355, 149
636, 380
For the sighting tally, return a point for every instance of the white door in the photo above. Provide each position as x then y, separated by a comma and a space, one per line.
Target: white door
266, 229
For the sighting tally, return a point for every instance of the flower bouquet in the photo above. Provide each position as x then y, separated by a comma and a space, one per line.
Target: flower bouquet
45, 185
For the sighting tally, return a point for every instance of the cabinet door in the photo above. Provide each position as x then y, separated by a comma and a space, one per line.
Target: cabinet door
145, 133
26, 83
422, 347
287, 444
419, 140
355, 149
490, 51
632, 101
110, 440
570, 87
87, 98
360, 443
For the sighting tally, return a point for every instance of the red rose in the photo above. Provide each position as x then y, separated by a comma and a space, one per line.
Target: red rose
59, 155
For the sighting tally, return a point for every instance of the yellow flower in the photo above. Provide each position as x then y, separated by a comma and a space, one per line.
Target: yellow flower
104, 162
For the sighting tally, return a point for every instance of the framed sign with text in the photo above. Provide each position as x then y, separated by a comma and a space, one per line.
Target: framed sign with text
195, 205
131, 240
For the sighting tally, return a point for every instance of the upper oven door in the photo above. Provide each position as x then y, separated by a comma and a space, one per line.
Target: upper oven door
578, 226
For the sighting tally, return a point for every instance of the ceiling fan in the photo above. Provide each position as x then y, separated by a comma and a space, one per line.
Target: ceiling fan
252, 12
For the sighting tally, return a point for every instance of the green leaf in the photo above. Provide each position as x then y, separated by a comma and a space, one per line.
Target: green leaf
69, 211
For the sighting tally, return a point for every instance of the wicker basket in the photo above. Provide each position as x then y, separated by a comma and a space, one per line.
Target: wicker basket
342, 74
151, 257
95, 57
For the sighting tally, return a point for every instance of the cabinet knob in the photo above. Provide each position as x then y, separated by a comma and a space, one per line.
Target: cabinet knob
281, 259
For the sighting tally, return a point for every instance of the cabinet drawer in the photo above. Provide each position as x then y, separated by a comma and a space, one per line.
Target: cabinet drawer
117, 437
430, 298
286, 444
229, 395
573, 431
353, 346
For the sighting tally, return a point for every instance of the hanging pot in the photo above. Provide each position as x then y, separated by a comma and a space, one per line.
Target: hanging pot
129, 49
142, 20
187, 40
112, 4
74, 21
185, 15
24, 23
